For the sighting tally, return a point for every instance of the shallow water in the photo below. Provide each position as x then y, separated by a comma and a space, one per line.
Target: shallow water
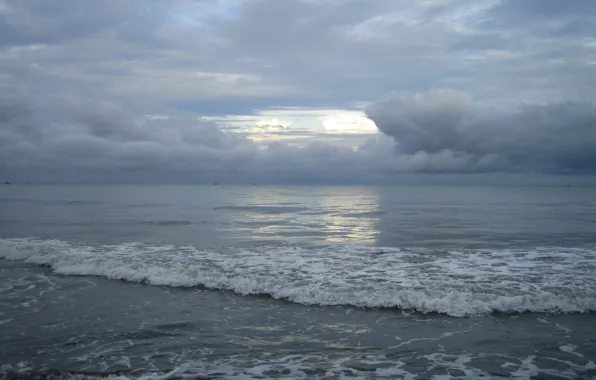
298, 282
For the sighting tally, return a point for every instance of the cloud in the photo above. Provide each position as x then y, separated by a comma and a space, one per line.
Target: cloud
221, 56
451, 132
103, 137
442, 131
521, 12
78, 79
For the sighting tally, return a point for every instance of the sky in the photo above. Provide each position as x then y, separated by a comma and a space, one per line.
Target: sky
295, 90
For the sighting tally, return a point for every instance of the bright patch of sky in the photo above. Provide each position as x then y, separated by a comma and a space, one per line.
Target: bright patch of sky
298, 123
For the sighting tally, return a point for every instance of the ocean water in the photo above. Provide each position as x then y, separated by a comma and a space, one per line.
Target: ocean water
242, 282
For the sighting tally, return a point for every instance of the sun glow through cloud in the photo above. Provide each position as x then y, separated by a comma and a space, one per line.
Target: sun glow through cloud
298, 124
348, 122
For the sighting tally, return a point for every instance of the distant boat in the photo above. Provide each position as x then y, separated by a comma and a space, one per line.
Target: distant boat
7, 183
215, 183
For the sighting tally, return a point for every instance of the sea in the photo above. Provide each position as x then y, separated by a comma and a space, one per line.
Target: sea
297, 282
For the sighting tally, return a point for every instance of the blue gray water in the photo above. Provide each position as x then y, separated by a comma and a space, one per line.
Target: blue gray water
236, 282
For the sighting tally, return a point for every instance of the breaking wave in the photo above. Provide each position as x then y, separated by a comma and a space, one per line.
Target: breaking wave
456, 283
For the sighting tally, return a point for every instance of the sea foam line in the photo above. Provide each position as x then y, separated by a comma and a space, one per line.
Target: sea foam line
453, 283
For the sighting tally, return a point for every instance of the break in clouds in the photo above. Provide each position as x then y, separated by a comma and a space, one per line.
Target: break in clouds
112, 89
438, 131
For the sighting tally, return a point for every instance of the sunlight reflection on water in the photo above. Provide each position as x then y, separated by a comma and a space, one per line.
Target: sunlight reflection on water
336, 215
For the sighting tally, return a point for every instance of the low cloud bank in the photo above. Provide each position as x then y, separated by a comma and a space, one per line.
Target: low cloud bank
435, 132
450, 132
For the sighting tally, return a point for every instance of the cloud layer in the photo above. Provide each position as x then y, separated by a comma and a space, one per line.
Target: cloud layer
554, 138
435, 132
99, 137
78, 80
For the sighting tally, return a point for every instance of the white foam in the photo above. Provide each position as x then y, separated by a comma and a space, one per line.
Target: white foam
457, 283
570, 349
436, 365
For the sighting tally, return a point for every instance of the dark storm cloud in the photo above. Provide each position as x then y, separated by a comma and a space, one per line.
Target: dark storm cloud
556, 137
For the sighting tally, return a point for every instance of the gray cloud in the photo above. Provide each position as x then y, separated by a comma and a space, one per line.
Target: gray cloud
557, 137
90, 134
77, 78
440, 131
321, 51
100, 137
524, 12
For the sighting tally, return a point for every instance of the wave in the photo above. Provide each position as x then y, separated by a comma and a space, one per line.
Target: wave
334, 365
167, 222
363, 214
264, 209
19, 200
456, 283
68, 202
366, 214
144, 205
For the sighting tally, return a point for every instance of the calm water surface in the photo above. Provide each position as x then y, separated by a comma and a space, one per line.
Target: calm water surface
231, 282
